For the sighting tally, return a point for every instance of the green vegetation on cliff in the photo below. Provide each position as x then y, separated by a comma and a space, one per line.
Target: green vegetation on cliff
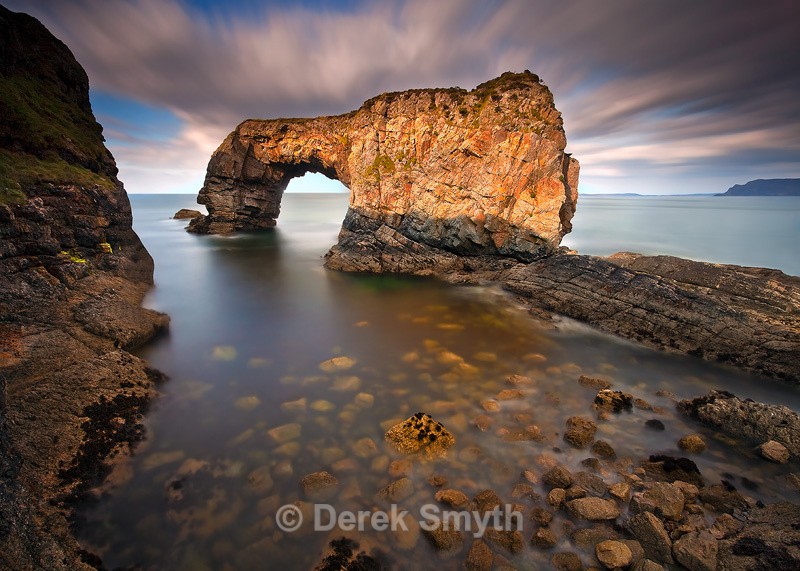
47, 130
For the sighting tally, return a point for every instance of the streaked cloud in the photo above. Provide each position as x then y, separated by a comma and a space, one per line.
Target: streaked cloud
657, 96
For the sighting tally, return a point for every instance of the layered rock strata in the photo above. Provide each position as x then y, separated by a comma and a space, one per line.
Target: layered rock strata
464, 172
72, 277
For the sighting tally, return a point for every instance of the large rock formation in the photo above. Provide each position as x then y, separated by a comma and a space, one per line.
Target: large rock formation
72, 276
465, 172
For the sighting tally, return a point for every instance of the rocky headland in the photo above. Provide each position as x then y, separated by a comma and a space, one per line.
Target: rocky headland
766, 187
72, 276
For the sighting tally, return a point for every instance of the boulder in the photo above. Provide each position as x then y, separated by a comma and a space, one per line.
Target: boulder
613, 554
580, 431
593, 509
651, 534
774, 452
186, 214
697, 551
420, 434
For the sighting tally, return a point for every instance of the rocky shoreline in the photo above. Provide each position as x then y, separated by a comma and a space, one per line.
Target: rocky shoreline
612, 513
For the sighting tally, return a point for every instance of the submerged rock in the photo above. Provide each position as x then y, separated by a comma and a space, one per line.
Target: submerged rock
319, 485
420, 434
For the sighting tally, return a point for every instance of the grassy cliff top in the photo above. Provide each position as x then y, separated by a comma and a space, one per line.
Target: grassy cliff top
47, 130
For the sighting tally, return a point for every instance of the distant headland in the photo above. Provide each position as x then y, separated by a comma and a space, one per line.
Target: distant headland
766, 187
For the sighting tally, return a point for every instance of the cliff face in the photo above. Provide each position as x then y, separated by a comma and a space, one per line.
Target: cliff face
72, 276
482, 172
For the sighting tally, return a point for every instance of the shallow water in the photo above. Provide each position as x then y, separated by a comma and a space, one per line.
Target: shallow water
253, 317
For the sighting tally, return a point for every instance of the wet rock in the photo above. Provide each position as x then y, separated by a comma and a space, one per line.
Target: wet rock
407, 539
420, 434
651, 534
670, 469
723, 498
566, 561
522, 490
637, 551
437, 480
444, 541
453, 498
319, 486
365, 447
483, 422
517, 380
364, 400
613, 401
587, 537
663, 499
399, 468
260, 480
396, 491
322, 405
556, 497
754, 421
774, 452
490, 405
337, 364
186, 214
480, 557
770, 539
604, 450
689, 491
574, 492
613, 554
580, 431
285, 432
298, 405
724, 526
593, 484
486, 501
541, 516
593, 509
693, 443
558, 477
544, 538
510, 394
594, 382
344, 553
697, 551
509, 540
647, 565
655, 424
621, 491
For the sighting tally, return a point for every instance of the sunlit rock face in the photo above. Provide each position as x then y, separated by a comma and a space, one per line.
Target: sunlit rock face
482, 172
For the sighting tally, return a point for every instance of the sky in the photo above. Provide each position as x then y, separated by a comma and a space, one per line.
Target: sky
658, 97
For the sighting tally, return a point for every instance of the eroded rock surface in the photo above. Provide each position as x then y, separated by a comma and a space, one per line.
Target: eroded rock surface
432, 170
756, 421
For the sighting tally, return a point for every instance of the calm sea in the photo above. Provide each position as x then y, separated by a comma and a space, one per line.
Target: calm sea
750, 231
249, 410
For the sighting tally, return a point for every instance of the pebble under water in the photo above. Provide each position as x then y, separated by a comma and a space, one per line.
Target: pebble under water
254, 403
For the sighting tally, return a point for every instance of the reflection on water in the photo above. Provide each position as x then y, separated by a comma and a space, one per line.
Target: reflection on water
249, 409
